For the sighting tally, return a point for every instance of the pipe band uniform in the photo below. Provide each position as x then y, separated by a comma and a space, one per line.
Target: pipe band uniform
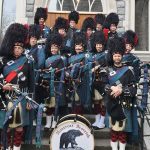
80, 74
130, 59
73, 19
122, 88
99, 20
53, 81
100, 79
40, 19
88, 27
61, 26
19, 71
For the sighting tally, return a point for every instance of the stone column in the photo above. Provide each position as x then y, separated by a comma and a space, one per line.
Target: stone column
32, 6
130, 11
1, 11
21, 11
40, 3
121, 13
112, 6
109, 6
30, 11
129, 15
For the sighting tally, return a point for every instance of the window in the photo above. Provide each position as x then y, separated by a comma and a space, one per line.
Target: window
78, 5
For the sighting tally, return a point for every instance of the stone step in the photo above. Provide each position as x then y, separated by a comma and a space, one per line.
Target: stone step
101, 138
102, 134
33, 147
103, 144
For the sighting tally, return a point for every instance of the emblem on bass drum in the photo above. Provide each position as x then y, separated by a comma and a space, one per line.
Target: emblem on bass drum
73, 132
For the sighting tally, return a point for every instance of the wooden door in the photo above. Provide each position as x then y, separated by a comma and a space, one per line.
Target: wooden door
52, 16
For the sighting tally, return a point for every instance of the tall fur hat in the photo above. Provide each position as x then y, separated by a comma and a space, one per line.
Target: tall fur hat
16, 33
40, 13
116, 45
55, 39
34, 31
79, 38
61, 23
74, 15
99, 38
131, 38
88, 23
100, 18
111, 18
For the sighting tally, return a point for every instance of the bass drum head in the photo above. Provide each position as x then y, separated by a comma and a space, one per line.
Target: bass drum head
72, 135
75, 117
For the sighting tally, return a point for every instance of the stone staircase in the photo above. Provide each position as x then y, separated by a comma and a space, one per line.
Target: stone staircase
101, 138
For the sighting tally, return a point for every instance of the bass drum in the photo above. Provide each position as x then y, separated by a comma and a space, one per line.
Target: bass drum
73, 132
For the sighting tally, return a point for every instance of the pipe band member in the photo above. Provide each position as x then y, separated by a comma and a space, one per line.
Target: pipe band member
17, 71
121, 89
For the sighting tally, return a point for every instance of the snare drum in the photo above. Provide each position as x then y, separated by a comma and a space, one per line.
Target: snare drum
72, 132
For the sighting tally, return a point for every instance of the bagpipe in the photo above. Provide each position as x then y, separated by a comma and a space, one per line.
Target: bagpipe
18, 93
46, 77
71, 75
132, 60
101, 58
52, 79
33, 105
74, 62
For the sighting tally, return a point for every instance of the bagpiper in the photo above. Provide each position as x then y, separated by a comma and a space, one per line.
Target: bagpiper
3, 103
53, 81
61, 26
36, 51
88, 28
73, 19
121, 89
40, 19
81, 75
130, 59
99, 78
99, 20
18, 72
131, 41
110, 26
